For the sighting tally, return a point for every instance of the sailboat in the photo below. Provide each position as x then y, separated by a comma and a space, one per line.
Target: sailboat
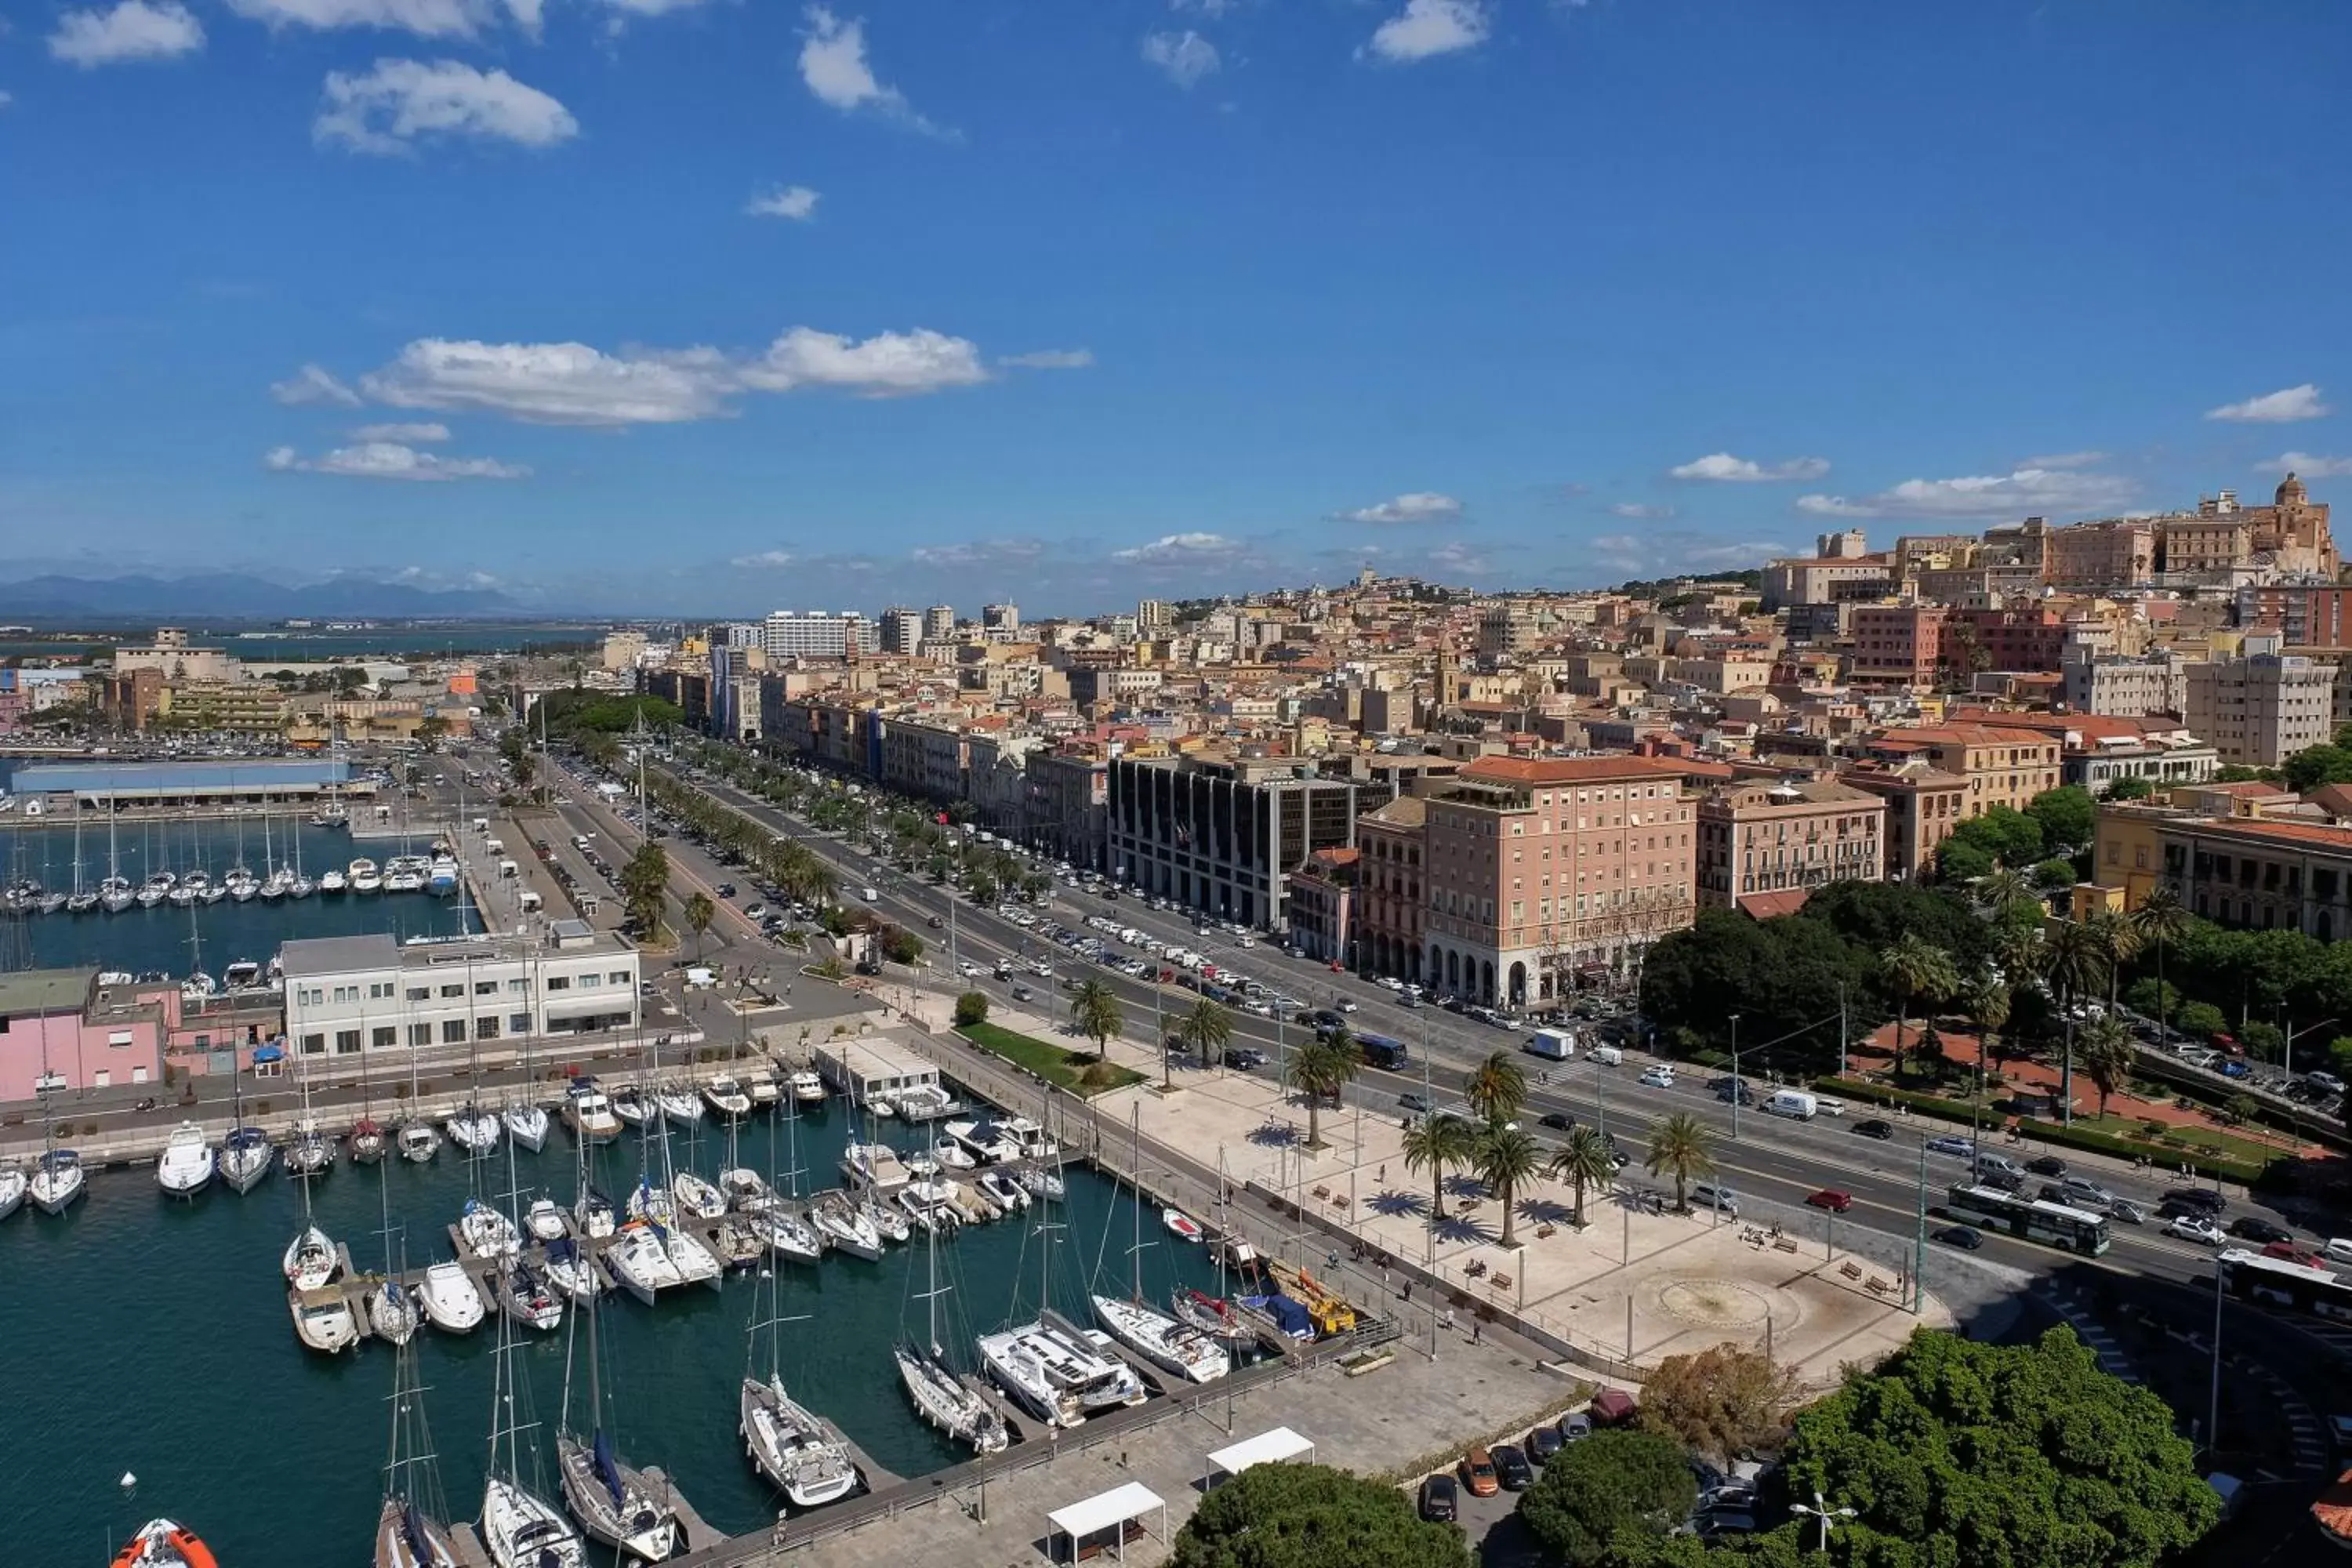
613, 1501
81, 900
409, 1531
246, 1154
58, 1177
1048, 1366
942, 1397
418, 1139
519, 1528
114, 894
796, 1449
521, 1290
1166, 1342
11, 1190
393, 1309
776, 1217
526, 1122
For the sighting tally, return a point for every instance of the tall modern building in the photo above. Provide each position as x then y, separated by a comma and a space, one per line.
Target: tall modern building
1000, 617
902, 630
1153, 617
2258, 711
939, 622
1224, 836
812, 634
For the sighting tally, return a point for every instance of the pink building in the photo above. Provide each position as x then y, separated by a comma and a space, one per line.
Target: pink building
61, 1030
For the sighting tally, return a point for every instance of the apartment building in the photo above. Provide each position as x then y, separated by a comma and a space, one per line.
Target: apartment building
1066, 813
2260, 710
2305, 615
1221, 834
1924, 805
2097, 751
64, 1029
1389, 897
1543, 873
1793, 834
2116, 553
2001, 766
795, 634
1898, 643
368, 996
2258, 873
902, 631
2123, 687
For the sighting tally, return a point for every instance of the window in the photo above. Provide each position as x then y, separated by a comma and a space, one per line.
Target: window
485, 1029
420, 1033
313, 1044
455, 989
420, 992
486, 987
312, 996
518, 1023
559, 983
118, 1038
453, 1031
386, 1036
619, 977
518, 987
347, 1041
380, 991
591, 981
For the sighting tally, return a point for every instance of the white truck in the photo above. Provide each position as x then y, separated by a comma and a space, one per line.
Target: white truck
1793, 1103
1552, 1045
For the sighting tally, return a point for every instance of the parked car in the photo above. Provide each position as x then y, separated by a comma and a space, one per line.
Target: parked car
1557, 1121
1875, 1128
1967, 1238
1242, 1058
1949, 1145
1440, 1499
1575, 1426
2047, 1166
1511, 1467
1543, 1442
1413, 1102
1832, 1199
1478, 1473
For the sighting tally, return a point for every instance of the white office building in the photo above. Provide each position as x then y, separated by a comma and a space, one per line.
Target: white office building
938, 622
813, 634
902, 631
351, 995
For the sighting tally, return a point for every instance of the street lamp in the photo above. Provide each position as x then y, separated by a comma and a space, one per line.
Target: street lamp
1739, 1085
2287, 1040
1821, 1510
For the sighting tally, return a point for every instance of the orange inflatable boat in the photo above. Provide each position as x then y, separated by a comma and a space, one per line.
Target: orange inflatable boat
160, 1543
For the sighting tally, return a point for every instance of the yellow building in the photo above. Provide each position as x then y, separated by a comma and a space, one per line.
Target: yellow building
2126, 855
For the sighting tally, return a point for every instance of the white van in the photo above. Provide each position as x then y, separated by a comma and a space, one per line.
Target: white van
1793, 1103
1606, 1055
508, 869
2338, 1250
868, 894
481, 824
1552, 1045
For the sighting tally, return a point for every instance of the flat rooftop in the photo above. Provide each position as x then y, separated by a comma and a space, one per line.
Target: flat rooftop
150, 780
35, 991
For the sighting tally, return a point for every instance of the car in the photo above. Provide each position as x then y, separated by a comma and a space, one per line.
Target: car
1949, 1146
755, 911
2127, 1212
2047, 1166
1967, 1238
1832, 1199
1440, 1499
2195, 1227
936, 923
1414, 1103
1875, 1128
1558, 1121
2001, 1181
2085, 1194
1244, 1058
1022, 993
725, 889
1542, 1443
1575, 1426
1478, 1473
1511, 1467
2203, 1199
1658, 1077
2293, 1252
2254, 1227
967, 968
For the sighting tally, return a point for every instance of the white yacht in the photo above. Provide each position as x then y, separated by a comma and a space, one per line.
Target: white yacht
632, 1106
763, 1090
527, 1125
1042, 1373
807, 1086
953, 1155
419, 1141
845, 1227
589, 1113
613, 1501
793, 1447
872, 1164
990, 1142
925, 1102
323, 1319
525, 1295
1162, 1341
474, 1131
115, 894
311, 1153
364, 875
487, 1232
885, 1217
1039, 1181
696, 1197
789, 1238
573, 1271
155, 889
452, 1301
311, 1261
680, 1104
727, 1099
523, 1529
332, 881
592, 1212
11, 1190
941, 1399
1002, 1191
245, 1157
746, 1191
187, 1163
392, 1313
544, 1220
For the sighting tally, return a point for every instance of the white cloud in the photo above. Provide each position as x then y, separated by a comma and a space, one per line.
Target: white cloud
1457, 556
795, 201
400, 101
765, 561
132, 30
425, 18
1184, 56
2041, 493
312, 384
391, 460
1413, 506
1051, 359
1211, 8
572, 384
1722, 468
652, 7
1640, 511
430, 432
7, 98
1426, 28
2282, 407
526, 14
980, 555
1171, 549
2306, 465
1661, 552
2062, 460
834, 67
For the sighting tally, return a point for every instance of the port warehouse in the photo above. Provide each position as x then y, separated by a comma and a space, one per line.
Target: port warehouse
870, 1068
101, 786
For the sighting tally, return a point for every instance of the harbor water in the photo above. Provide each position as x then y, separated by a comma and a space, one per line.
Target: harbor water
143, 1335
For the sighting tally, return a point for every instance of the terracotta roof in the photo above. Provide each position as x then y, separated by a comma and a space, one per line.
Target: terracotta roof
1967, 735
1765, 906
1405, 811
2309, 833
1568, 770
2334, 799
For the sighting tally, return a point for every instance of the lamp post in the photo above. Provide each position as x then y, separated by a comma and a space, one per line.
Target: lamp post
2288, 1038
1821, 1510
1738, 1086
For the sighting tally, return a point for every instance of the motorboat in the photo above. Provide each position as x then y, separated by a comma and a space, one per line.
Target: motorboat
1002, 1191
525, 1295
487, 1232
632, 1105
452, 1301
794, 1447
942, 1399
323, 1321
419, 1141
640, 1263
160, 1543
1182, 1225
872, 1164
1164, 1341
245, 1157
845, 1227
696, 1197
763, 1090
589, 1113
188, 1162
443, 875
13, 1183
392, 1314
727, 1099
591, 1213
613, 1501
807, 1086
880, 1105
1041, 1182
544, 1220
953, 1155
928, 1204
368, 1141
1210, 1316
573, 1271
523, 1529
57, 1179
474, 1131
311, 1259
364, 875
680, 1104
527, 1125
332, 881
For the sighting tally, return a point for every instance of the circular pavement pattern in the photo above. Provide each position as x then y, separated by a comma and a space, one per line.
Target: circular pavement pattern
1713, 1304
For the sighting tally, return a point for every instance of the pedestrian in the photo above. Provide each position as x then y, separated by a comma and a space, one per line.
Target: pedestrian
1408, 1291
1473, 1331
1449, 1320
1383, 1173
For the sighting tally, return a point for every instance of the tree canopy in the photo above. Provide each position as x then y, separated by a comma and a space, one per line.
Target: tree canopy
1720, 1403
1312, 1515
2323, 764
2001, 1456
2066, 815
1615, 1484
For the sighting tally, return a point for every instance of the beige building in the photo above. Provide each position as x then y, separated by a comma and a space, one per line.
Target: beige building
2001, 766
2120, 552
1793, 836
176, 659
2258, 711
1544, 872
1924, 805
1390, 898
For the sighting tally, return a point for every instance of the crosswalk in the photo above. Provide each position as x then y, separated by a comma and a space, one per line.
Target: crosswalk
2074, 1306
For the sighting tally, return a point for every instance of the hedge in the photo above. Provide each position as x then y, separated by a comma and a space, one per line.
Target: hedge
2161, 1155
1926, 1104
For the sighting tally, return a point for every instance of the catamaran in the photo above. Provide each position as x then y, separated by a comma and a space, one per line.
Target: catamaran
187, 1164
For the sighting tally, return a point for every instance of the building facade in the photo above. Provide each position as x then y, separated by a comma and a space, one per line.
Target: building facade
793, 634
1222, 836
1794, 834
365, 996
1389, 897
1898, 643
1924, 805
2258, 711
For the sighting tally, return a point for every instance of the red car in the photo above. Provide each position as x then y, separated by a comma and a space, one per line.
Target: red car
1832, 1199
2292, 1253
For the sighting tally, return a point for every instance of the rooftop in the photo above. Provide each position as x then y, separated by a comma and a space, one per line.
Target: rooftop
34, 992
1568, 770
253, 774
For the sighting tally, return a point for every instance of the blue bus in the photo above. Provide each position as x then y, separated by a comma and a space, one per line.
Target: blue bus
1379, 1051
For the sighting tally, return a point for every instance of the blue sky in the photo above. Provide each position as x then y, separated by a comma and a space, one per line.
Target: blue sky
721, 305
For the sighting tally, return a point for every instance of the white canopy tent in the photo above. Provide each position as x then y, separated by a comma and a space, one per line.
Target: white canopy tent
1266, 1448
1108, 1512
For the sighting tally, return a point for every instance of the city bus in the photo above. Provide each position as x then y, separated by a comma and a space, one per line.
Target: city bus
2280, 1282
2031, 1219
1379, 1051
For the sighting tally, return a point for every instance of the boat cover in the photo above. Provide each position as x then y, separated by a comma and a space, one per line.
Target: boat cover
268, 1054
412, 1525
606, 1470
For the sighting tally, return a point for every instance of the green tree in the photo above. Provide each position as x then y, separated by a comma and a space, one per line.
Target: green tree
901, 945
1496, 1088
2129, 788
1681, 1147
1203, 1030
1435, 1143
2201, 1020
1721, 1403
1507, 1160
1911, 970
2066, 815
2073, 960
2052, 875
1998, 891
699, 913
1094, 1012
1313, 1516
970, 1008
2118, 941
1584, 1160
1320, 1069
1613, 1485
2010, 1456
645, 877
2314, 767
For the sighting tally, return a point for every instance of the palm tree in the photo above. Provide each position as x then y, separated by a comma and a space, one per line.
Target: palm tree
1094, 1012
699, 913
1497, 1087
1680, 1144
1999, 890
1508, 1158
2108, 1056
1584, 1160
2074, 960
2161, 920
1203, 1029
1434, 1142
1914, 967
2117, 940
1987, 1002
1323, 1068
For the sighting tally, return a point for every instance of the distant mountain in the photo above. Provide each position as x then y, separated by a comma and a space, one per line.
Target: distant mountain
230, 596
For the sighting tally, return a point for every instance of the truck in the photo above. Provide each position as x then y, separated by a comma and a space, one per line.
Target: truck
1793, 1103
1552, 1045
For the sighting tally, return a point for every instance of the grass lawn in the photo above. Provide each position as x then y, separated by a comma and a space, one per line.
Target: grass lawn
1054, 1064
2227, 1145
